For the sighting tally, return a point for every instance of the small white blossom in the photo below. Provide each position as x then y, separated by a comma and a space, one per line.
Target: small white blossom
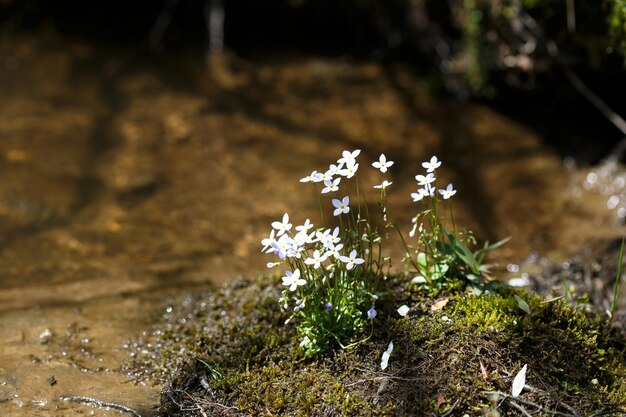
432, 165
295, 251
448, 192
403, 310
302, 238
322, 236
293, 280
331, 185
282, 227
334, 169
333, 250
323, 177
348, 157
305, 227
419, 195
313, 177
425, 179
341, 206
382, 163
309, 178
332, 238
383, 185
316, 260
283, 246
351, 260
350, 170
267, 242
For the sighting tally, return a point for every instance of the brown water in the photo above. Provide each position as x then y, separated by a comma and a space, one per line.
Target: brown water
125, 180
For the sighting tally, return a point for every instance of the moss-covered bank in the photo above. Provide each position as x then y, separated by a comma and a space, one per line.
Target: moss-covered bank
230, 353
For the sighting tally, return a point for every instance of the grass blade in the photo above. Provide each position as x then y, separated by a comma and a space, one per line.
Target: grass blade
618, 278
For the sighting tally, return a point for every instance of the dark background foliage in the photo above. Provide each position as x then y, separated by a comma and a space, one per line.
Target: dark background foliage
499, 50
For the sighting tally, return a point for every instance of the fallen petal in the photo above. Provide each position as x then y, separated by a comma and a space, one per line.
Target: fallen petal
519, 382
385, 358
403, 310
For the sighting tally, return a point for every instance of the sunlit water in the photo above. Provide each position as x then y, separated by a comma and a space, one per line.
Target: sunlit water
125, 180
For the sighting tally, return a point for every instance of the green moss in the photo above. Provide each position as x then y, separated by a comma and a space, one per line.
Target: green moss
486, 313
230, 353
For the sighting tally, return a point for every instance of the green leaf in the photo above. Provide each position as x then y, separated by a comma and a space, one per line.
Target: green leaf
215, 374
438, 270
462, 251
444, 248
467, 257
618, 277
523, 305
422, 261
474, 279
480, 254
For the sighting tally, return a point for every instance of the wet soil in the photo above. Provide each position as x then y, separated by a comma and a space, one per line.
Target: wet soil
125, 180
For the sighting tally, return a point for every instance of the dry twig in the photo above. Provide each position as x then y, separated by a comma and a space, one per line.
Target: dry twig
513, 399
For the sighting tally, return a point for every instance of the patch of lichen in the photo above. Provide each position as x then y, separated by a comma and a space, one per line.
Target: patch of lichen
231, 353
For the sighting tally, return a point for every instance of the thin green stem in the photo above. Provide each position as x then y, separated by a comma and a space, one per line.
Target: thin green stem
617, 288
452, 216
406, 247
319, 201
359, 189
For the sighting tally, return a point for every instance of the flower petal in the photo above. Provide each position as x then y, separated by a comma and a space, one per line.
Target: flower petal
403, 310
385, 358
519, 382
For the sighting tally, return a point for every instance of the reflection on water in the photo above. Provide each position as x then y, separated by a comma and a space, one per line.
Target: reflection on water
123, 180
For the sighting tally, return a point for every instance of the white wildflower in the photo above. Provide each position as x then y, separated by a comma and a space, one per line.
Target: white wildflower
382, 164
432, 165
293, 280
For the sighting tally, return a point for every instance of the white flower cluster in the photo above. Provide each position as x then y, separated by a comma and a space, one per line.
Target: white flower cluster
346, 167
317, 247
427, 183
337, 270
